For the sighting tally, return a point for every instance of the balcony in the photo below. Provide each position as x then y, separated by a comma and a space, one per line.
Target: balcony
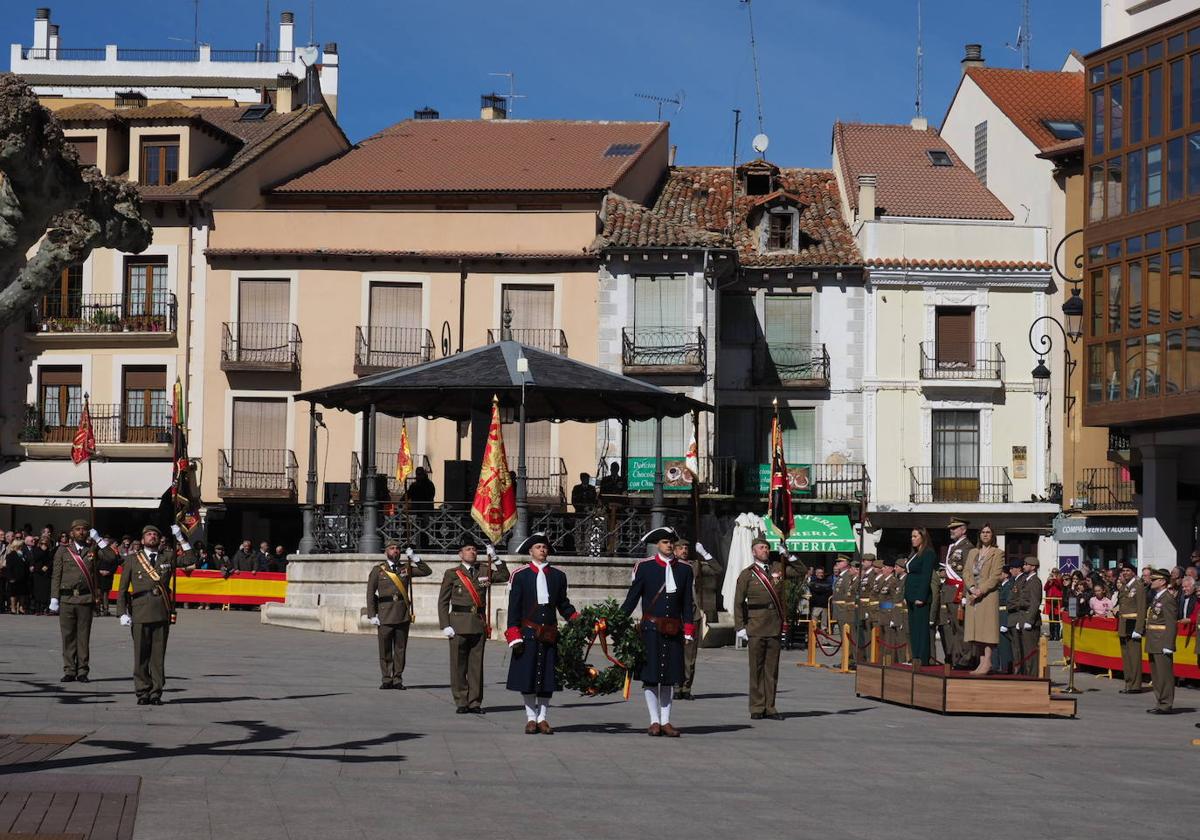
663, 350
116, 317
1106, 488
791, 365
967, 485
201, 55
267, 474
552, 341
385, 464
973, 363
386, 348
260, 347
118, 432
1118, 446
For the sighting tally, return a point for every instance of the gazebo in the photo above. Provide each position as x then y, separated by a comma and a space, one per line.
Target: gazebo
531, 383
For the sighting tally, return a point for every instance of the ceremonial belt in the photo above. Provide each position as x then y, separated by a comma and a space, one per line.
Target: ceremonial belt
1156, 627
152, 573
666, 625
1129, 615
140, 594
389, 598
770, 587
459, 608
470, 586
87, 574
72, 592
399, 584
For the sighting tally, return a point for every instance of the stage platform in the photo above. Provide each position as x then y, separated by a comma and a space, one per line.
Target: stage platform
959, 692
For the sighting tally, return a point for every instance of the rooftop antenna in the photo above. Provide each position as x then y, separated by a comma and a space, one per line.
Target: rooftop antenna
1024, 36
267, 28
312, 20
677, 101
196, 24
920, 62
754, 57
512, 91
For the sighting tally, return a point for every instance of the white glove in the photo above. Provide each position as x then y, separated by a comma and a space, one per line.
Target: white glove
702, 551
374, 620
1136, 635
688, 638
491, 551
126, 620
791, 558
408, 552
1168, 651
94, 534
1028, 626
891, 624
743, 635
1003, 629
185, 545
53, 605
177, 531
448, 632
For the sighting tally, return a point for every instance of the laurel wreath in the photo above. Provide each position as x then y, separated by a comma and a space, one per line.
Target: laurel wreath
582, 636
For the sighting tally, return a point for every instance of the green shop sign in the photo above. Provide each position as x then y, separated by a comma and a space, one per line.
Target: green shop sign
812, 534
799, 477
639, 474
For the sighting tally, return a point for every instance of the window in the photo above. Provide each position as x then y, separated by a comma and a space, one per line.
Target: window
1177, 92
1153, 363
1193, 358
1061, 129
788, 330
622, 149
85, 147
147, 289
1095, 193
1112, 370
159, 161
60, 400
1175, 286
1133, 184
659, 302
1098, 122
1194, 79
799, 427
1113, 187
1154, 112
954, 338
1174, 361
1137, 104
255, 113
1193, 164
1116, 122
394, 336
779, 231
145, 417
939, 158
1096, 307
1194, 282
1134, 316
65, 298
129, 99
1095, 373
956, 455
1153, 176
1153, 290
1175, 169
1114, 298
981, 152
263, 325
1133, 368
758, 184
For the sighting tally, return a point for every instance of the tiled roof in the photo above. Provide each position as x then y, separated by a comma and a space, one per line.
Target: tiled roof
965, 265
1030, 96
447, 156
85, 112
383, 253
175, 111
1062, 149
908, 183
693, 209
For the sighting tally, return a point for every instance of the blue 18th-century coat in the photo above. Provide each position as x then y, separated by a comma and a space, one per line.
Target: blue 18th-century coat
532, 672
664, 654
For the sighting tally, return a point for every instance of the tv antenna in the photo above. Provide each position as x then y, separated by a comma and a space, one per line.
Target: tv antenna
1024, 36
512, 91
676, 100
920, 62
754, 57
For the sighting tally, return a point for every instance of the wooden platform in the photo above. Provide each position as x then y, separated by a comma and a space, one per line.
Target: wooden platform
960, 692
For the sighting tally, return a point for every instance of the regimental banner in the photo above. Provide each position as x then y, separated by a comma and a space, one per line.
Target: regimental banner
206, 587
639, 474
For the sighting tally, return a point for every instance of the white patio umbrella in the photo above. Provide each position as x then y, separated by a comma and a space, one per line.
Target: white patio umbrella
745, 528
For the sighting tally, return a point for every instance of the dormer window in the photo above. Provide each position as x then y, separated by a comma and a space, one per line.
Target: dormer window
780, 228
758, 185
129, 99
939, 158
159, 161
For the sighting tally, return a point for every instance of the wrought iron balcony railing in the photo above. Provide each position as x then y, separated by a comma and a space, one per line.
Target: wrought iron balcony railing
153, 313
973, 360
988, 485
384, 348
257, 474
791, 365
253, 346
663, 350
1106, 488
112, 423
550, 340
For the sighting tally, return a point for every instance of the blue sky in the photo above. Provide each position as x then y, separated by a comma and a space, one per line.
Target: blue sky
820, 60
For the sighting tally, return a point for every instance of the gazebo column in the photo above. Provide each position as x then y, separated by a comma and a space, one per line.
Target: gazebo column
368, 541
521, 529
658, 511
308, 539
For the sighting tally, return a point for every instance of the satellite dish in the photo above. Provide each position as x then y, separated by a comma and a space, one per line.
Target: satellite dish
308, 55
760, 143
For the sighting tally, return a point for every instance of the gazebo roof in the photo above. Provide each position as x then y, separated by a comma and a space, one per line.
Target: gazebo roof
556, 388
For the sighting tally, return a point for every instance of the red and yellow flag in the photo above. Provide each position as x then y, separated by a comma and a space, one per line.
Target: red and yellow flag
495, 505
780, 499
83, 446
404, 461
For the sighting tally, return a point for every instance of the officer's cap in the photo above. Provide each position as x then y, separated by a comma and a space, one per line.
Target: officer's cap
532, 540
842, 558
1161, 574
79, 523
151, 529
957, 522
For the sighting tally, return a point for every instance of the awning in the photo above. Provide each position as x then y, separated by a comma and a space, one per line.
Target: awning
814, 534
62, 484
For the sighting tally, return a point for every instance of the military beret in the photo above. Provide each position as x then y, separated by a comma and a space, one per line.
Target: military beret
759, 541
393, 542
80, 523
151, 529
956, 522
890, 562
1161, 574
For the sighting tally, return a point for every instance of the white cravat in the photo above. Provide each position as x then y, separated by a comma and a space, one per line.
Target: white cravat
543, 589
669, 585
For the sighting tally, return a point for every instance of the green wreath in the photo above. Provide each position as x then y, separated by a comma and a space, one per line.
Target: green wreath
624, 645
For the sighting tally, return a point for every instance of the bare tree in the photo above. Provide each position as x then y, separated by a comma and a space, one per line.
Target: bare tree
46, 196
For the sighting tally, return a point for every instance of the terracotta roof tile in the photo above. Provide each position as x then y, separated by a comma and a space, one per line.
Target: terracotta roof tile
694, 207
908, 182
1029, 97
85, 112
384, 253
967, 265
443, 156
159, 111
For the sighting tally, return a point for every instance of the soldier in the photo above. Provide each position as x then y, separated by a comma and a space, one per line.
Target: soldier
1162, 620
847, 591
839, 601
760, 615
75, 589
536, 592
703, 563
390, 608
463, 616
663, 587
888, 593
951, 593
148, 607
862, 607
1131, 626
1030, 631
1002, 663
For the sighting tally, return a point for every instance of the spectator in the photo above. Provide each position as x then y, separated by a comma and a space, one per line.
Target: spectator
243, 558
262, 560
820, 588
1080, 594
1052, 602
1187, 599
280, 559
1100, 604
420, 493
612, 484
222, 561
583, 494
203, 557
41, 564
1146, 576
1176, 574
16, 570
106, 568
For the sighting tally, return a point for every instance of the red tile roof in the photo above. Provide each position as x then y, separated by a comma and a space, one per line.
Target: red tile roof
968, 265
445, 156
908, 183
693, 209
1030, 96
384, 253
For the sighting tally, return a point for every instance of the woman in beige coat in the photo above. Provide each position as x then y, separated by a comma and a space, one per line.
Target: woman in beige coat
982, 574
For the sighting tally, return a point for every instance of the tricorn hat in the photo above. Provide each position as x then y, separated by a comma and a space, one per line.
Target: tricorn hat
532, 540
656, 534
958, 522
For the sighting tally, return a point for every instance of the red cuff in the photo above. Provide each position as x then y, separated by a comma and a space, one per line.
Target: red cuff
574, 616
512, 634
689, 630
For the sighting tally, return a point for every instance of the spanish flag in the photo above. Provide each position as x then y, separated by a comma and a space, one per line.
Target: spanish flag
495, 505
404, 461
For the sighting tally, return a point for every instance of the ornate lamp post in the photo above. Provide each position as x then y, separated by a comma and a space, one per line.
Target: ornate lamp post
1071, 328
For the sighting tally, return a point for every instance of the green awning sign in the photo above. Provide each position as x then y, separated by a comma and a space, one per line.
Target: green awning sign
813, 534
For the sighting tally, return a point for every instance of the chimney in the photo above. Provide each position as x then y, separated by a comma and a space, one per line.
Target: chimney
286, 93
492, 107
426, 113
41, 31
866, 198
54, 40
671, 156
973, 57
287, 23
919, 124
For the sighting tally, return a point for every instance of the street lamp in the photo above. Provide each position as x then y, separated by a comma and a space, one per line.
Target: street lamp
1041, 378
1072, 330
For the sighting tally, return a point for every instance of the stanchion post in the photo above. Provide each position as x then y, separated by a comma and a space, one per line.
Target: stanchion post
874, 645
1044, 657
847, 640
1071, 689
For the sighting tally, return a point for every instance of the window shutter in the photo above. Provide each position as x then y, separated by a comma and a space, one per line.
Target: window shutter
660, 301
86, 148
789, 319
981, 152
61, 376
259, 424
263, 301
955, 336
395, 305
146, 378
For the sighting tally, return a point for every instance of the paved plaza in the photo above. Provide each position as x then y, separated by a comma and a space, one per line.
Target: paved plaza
274, 733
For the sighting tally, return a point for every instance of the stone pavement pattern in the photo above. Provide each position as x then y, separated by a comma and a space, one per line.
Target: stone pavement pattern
275, 733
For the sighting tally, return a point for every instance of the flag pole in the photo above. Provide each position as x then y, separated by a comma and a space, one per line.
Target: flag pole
91, 488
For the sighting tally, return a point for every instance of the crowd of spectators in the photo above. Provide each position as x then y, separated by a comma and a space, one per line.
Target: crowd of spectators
1094, 591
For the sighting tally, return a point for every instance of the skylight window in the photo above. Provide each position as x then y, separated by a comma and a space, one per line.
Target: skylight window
255, 113
1064, 129
939, 158
622, 149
